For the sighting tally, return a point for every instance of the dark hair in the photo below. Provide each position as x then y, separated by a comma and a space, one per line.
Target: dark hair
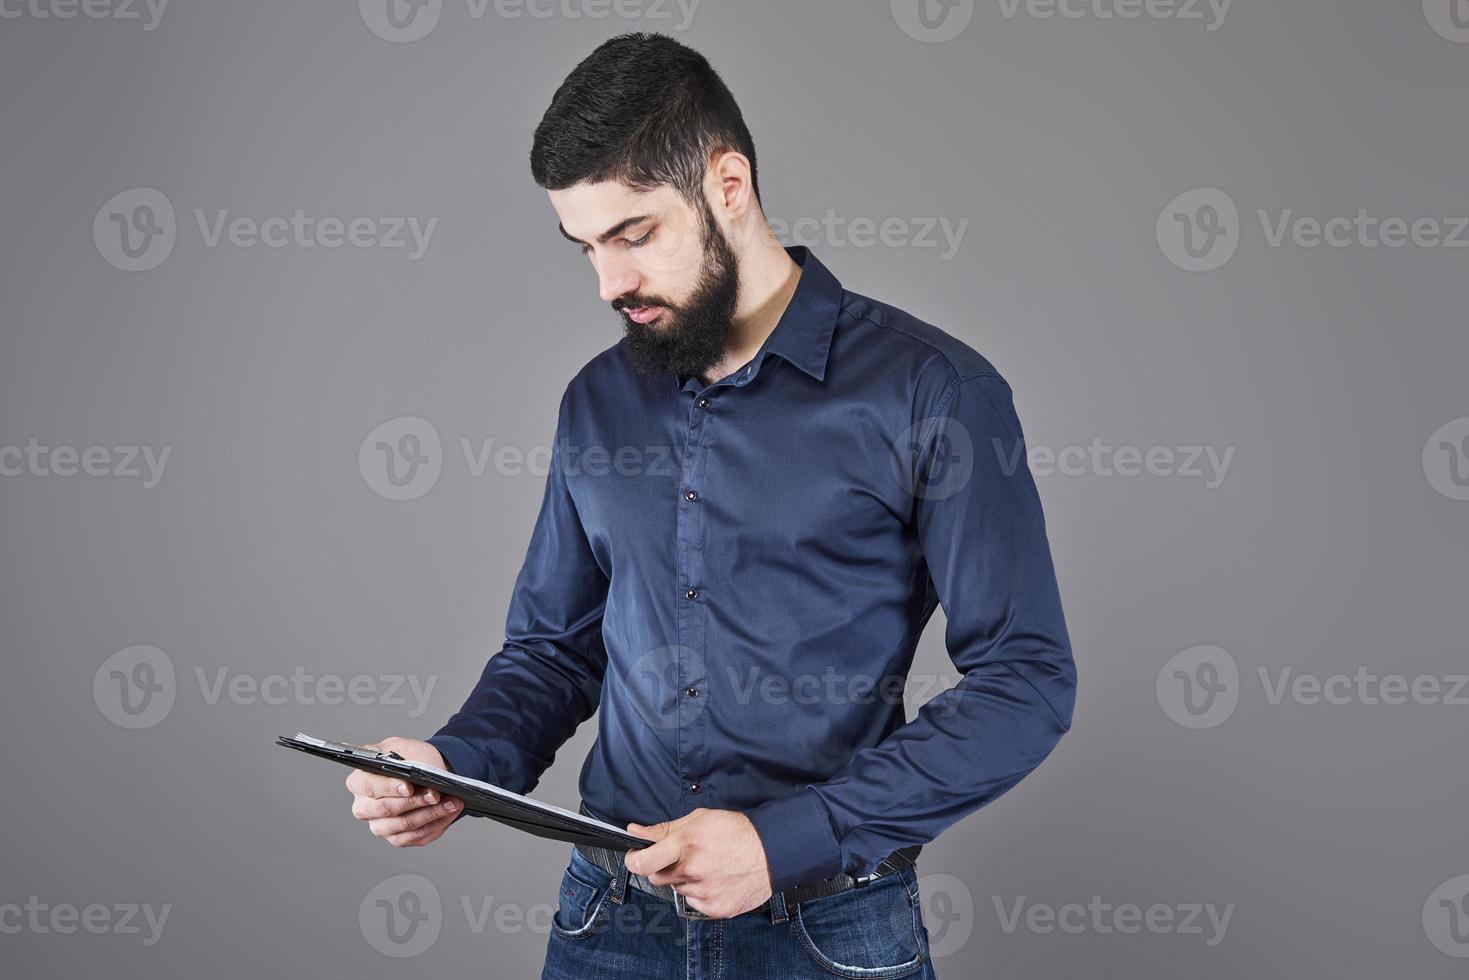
644, 110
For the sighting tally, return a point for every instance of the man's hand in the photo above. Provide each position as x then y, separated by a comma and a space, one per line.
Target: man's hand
403, 814
714, 858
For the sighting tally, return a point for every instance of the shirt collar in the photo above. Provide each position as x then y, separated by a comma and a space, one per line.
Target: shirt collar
803, 334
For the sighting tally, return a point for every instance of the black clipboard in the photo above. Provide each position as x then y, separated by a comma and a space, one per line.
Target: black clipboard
480, 799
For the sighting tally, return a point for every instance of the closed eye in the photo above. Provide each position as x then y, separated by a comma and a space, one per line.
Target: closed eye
630, 242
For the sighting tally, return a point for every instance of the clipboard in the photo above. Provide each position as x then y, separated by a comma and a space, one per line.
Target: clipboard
480, 799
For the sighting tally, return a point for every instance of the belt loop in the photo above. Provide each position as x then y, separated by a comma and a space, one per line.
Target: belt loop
618, 888
778, 911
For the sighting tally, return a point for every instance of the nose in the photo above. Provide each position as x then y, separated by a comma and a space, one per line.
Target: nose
616, 279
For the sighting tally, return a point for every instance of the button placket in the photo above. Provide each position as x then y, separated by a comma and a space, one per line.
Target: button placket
692, 617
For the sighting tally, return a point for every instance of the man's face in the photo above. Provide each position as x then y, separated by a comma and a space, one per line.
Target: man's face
665, 267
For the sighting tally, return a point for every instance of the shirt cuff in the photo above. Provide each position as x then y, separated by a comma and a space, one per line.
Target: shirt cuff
799, 843
462, 759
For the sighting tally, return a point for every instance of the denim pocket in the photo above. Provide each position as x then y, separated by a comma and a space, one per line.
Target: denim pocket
869, 931
583, 894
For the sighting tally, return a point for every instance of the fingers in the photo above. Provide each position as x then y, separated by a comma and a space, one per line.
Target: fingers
670, 876
405, 823
426, 834
370, 808
361, 783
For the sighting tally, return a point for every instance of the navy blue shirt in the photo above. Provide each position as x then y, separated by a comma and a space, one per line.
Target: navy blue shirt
737, 574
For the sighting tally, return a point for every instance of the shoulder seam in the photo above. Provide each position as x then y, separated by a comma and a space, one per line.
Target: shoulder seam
847, 298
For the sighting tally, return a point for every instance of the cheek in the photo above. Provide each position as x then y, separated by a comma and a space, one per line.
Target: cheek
672, 260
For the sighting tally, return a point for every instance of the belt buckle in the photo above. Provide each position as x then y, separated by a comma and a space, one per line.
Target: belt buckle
684, 909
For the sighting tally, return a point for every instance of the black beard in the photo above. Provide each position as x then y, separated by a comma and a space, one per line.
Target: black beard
690, 339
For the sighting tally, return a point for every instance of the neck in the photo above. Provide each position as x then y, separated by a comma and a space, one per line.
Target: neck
768, 278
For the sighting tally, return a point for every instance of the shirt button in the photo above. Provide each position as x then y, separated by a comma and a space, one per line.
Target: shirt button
694, 787
691, 495
703, 403
691, 594
692, 692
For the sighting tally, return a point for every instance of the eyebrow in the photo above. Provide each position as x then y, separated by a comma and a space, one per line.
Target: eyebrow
610, 233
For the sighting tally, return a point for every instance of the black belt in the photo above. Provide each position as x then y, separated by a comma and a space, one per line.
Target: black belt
611, 862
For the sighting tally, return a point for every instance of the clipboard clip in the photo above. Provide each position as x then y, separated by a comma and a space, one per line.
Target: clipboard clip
351, 748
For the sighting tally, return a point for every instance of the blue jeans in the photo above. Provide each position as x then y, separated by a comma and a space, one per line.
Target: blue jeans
605, 929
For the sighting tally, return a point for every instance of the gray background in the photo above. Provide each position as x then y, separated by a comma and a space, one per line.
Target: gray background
265, 548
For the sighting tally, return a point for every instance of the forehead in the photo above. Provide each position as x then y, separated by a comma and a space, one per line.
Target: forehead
587, 210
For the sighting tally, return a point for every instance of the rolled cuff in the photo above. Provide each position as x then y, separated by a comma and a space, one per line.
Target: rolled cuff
462, 758
799, 844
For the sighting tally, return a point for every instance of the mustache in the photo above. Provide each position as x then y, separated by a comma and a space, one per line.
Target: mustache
637, 302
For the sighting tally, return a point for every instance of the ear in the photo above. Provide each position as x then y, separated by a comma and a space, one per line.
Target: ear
732, 190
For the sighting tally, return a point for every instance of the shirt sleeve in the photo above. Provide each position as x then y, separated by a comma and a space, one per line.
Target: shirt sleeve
979, 523
547, 678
